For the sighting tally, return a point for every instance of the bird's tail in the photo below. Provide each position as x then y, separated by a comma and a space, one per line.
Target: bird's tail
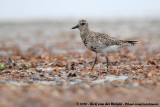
132, 42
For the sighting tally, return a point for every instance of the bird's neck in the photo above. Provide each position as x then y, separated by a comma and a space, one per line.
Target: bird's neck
84, 33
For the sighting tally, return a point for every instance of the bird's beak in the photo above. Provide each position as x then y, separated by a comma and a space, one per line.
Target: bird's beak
77, 26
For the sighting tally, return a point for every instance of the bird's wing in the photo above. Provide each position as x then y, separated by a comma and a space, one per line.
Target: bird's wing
108, 40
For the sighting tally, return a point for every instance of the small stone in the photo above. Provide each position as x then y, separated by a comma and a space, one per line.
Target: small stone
2, 67
151, 73
53, 74
36, 76
151, 63
19, 67
24, 67
67, 66
10, 61
46, 75
72, 75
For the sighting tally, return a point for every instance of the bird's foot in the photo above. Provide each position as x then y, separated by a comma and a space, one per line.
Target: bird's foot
93, 76
107, 70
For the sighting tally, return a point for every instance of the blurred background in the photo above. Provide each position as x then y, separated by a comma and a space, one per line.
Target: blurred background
30, 22
53, 9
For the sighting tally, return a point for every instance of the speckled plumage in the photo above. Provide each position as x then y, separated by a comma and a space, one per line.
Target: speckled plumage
96, 41
100, 42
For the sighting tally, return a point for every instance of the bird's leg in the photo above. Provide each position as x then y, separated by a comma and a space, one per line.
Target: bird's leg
107, 62
94, 61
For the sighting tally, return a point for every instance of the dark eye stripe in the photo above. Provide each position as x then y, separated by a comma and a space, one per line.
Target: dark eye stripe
83, 23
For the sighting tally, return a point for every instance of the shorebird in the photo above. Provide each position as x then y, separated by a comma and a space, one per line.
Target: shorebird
100, 42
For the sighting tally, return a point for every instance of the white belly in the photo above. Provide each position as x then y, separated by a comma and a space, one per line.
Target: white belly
103, 49
110, 49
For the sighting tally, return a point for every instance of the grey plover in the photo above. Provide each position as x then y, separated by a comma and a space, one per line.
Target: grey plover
100, 42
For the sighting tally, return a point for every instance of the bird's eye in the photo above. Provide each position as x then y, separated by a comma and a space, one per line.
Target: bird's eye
83, 24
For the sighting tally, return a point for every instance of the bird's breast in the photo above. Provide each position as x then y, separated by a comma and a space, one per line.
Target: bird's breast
90, 46
89, 42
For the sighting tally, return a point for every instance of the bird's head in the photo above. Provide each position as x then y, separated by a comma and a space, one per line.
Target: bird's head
82, 25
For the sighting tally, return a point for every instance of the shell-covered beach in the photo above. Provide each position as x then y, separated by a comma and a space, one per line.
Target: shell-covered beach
45, 63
